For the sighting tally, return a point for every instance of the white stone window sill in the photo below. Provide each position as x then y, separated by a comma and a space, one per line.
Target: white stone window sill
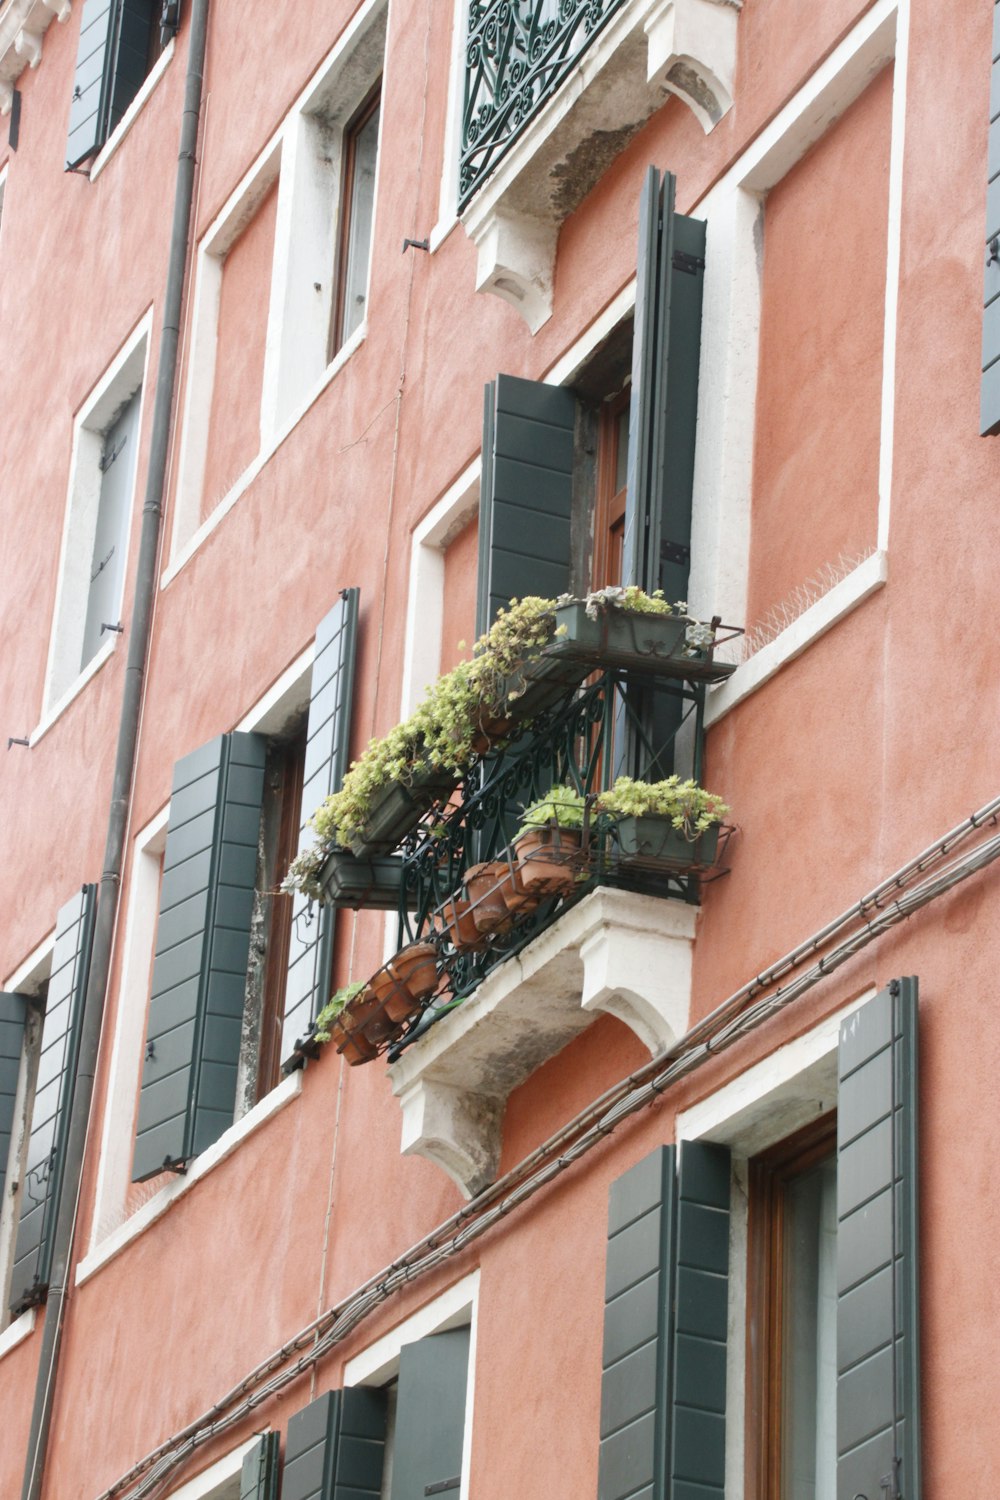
268, 449
863, 581
94, 665
616, 952
15, 1333
113, 1244
130, 116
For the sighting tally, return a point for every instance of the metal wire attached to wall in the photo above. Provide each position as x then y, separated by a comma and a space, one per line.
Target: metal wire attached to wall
891, 902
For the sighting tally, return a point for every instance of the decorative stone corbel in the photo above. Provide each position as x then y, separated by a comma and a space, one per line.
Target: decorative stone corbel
6, 97
28, 44
692, 50
516, 261
618, 952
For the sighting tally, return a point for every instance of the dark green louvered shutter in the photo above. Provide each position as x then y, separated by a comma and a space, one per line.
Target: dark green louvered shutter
45, 1163
335, 1448
526, 494
188, 1091
13, 1013
430, 1416
878, 1447
111, 63
663, 1388
137, 20
989, 416
310, 954
664, 403
261, 1469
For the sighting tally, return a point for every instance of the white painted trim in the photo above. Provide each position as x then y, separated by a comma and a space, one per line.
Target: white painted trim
425, 592
94, 665
897, 145
30, 972
288, 694
184, 555
844, 597
379, 1363
119, 1239
130, 116
448, 197
15, 1333
569, 364
204, 1485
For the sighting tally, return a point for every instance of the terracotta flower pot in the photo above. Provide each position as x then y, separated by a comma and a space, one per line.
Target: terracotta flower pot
458, 925
405, 981
352, 1042
517, 898
484, 886
489, 729
545, 857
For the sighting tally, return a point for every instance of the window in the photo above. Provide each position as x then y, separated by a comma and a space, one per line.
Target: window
120, 41
111, 528
792, 1313
356, 219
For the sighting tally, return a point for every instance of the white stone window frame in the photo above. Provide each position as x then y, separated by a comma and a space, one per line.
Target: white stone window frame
221, 1480
119, 383
131, 114
305, 157
773, 1099
27, 979
112, 1232
723, 477
379, 1363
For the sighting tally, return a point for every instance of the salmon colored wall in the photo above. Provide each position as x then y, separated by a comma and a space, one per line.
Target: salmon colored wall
458, 625
234, 424
815, 482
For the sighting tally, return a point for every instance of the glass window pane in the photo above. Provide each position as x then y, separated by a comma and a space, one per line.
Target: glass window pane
359, 223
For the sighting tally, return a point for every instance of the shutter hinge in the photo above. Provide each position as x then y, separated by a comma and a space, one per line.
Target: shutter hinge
443, 1485
690, 264
674, 552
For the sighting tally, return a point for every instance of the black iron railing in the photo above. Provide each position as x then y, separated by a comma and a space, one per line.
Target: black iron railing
517, 54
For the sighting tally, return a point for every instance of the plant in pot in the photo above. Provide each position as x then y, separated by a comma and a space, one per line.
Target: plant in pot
344, 1015
405, 981
456, 923
673, 822
485, 886
548, 842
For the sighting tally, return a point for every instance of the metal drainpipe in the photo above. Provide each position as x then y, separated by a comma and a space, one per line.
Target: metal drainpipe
128, 734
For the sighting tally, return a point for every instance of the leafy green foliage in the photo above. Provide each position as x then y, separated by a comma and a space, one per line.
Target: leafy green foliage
332, 1009
689, 807
560, 805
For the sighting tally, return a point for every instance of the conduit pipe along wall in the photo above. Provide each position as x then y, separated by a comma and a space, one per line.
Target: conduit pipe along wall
128, 734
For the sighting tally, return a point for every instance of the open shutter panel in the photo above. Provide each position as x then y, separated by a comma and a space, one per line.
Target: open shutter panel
53, 1098
526, 494
89, 109
637, 1299
310, 953
664, 402
130, 64
698, 1418
878, 1397
261, 1469
188, 1090
430, 1416
13, 1012
990, 387
335, 1448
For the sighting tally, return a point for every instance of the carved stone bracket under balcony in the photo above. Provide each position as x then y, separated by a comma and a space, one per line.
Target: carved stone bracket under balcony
528, 161
23, 23
617, 952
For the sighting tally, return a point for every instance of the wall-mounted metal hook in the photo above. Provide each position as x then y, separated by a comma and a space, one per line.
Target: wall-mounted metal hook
409, 244
11, 740
118, 629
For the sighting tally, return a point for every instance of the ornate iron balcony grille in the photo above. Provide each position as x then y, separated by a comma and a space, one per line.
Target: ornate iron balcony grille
518, 53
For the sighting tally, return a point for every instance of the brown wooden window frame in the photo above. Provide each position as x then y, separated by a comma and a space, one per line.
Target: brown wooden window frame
769, 1176
609, 502
352, 132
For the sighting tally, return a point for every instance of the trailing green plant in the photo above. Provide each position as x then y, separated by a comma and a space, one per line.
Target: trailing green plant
333, 1008
560, 805
632, 599
690, 809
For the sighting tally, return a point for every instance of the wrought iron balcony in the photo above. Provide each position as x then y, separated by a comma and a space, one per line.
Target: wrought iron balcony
517, 55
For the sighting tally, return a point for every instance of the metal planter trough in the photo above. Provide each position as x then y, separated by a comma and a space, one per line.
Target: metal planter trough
656, 645
369, 881
650, 841
399, 808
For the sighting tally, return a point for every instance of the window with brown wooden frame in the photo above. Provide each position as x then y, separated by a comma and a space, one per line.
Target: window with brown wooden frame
612, 474
357, 206
791, 1451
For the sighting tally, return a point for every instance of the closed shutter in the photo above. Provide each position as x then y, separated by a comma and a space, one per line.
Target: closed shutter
107, 570
526, 494
663, 1387
878, 1396
45, 1163
13, 1011
188, 1090
89, 109
310, 953
430, 1417
261, 1469
989, 416
664, 402
335, 1448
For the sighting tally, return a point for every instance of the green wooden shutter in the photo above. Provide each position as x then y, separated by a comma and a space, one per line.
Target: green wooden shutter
133, 38
261, 1469
526, 493
188, 1090
328, 745
664, 403
335, 1448
663, 1386
88, 111
45, 1163
989, 417
877, 1281
430, 1416
13, 1013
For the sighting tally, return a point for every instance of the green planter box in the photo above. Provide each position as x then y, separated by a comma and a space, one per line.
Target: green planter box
399, 809
652, 644
369, 881
651, 840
